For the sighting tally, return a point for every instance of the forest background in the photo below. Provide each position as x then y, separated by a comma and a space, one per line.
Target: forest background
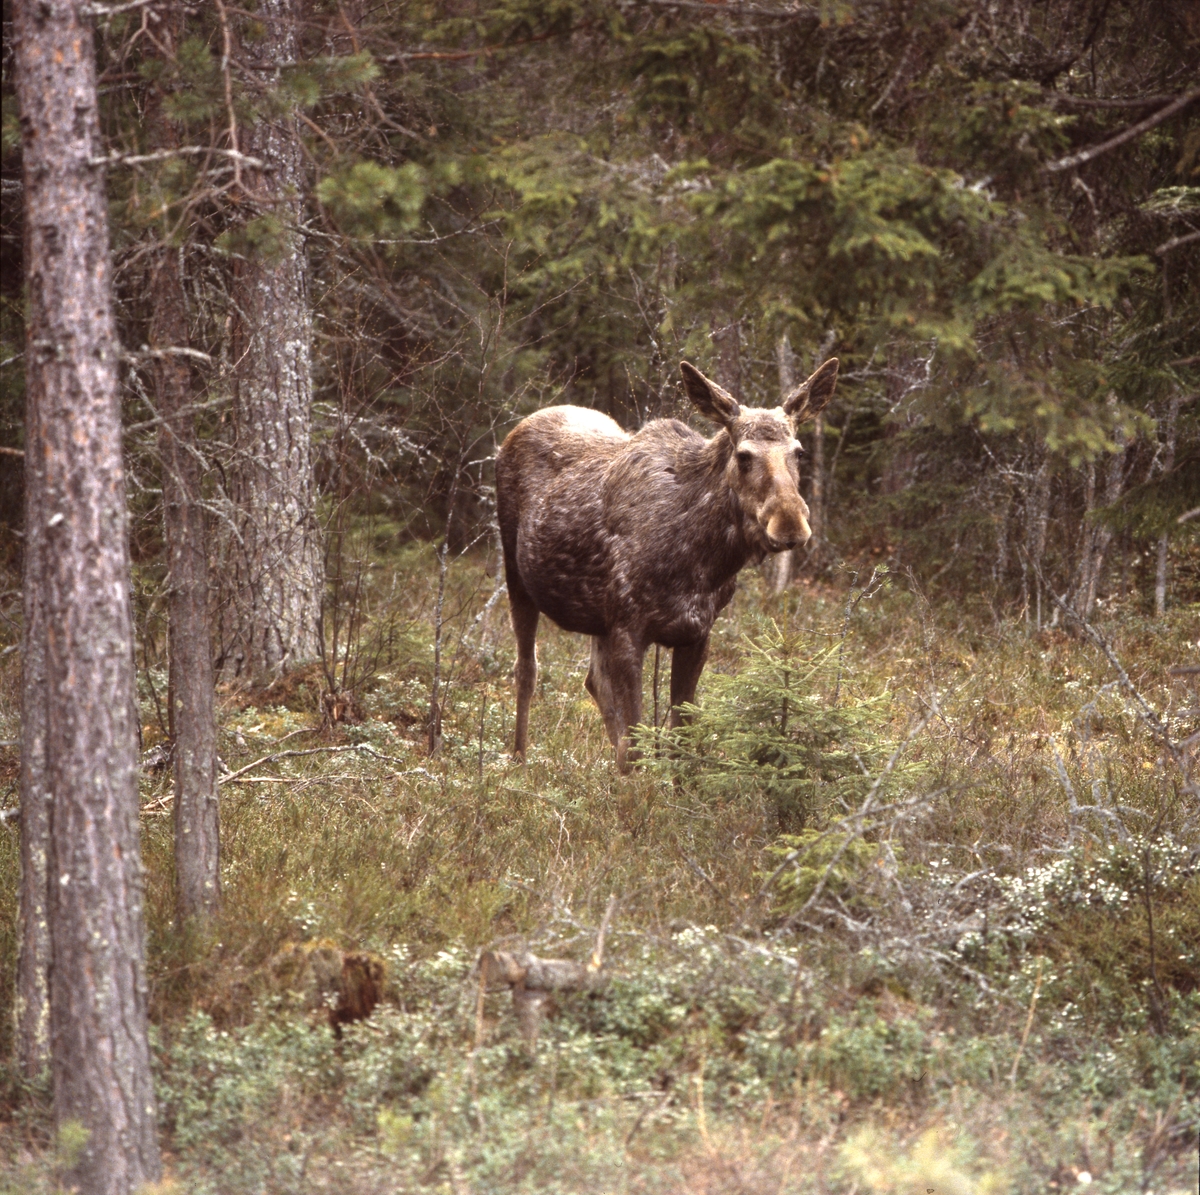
991, 215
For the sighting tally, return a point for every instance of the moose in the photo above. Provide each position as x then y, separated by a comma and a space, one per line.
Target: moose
638, 538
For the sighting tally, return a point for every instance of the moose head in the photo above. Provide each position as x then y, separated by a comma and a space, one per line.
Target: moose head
763, 468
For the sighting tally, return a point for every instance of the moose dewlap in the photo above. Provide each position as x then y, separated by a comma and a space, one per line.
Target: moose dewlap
638, 538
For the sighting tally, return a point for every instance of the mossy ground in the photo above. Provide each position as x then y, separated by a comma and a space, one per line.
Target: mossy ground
975, 1008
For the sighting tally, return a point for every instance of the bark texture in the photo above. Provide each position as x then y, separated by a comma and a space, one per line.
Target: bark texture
33, 995
100, 1054
276, 560
191, 686
191, 716
1097, 537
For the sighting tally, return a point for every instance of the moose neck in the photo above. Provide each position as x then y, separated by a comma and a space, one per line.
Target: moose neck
717, 537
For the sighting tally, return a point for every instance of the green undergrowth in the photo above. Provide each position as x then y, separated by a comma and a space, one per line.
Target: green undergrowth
913, 903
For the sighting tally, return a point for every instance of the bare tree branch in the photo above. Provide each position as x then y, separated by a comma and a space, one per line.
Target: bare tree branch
1174, 243
1135, 130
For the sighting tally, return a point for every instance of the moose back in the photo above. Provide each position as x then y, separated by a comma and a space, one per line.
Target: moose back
638, 538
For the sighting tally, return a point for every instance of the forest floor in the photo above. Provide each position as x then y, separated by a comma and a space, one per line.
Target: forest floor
915, 908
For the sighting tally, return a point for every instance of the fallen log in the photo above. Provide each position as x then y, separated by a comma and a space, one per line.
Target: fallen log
533, 980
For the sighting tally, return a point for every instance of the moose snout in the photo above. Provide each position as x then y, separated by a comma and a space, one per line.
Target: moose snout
786, 525
784, 534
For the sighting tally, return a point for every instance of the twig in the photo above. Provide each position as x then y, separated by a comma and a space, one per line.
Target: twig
317, 751
1037, 987
484, 963
107, 10
1157, 997
597, 959
226, 53
160, 155
1174, 243
887, 91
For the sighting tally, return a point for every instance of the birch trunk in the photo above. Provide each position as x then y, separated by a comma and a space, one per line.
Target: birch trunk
99, 1049
276, 562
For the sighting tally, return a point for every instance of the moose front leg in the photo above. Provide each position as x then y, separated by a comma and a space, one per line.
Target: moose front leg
687, 663
614, 680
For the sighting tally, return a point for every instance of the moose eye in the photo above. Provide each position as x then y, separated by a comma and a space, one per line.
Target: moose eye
745, 459
798, 451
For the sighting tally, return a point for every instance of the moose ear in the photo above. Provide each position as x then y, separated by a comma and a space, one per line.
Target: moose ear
811, 397
707, 397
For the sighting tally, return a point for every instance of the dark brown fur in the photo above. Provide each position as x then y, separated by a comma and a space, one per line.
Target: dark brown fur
638, 539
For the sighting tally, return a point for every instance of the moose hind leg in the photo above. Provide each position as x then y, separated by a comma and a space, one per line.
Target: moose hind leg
525, 622
687, 662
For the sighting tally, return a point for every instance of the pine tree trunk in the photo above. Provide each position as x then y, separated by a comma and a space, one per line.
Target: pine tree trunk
99, 1048
191, 683
192, 718
277, 568
33, 962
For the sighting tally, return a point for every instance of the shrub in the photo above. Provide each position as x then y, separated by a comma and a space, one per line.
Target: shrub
785, 727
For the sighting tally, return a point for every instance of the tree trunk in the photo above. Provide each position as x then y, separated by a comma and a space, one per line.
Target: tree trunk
1101, 535
191, 716
277, 568
816, 503
103, 1096
1168, 463
785, 358
191, 683
727, 340
1038, 524
33, 995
